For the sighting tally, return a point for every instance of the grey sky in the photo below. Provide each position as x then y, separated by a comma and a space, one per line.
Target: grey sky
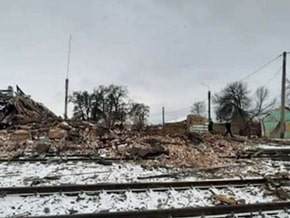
162, 50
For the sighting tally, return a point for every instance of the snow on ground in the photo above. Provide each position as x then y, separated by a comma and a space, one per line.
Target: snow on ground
25, 174
269, 167
12, 205
273, 146
279, 214
83, 172
31, 173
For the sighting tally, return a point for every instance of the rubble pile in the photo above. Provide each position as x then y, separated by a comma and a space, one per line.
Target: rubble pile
22, 110
29, 128
187, 150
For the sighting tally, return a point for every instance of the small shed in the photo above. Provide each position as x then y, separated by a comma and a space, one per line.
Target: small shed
196, 123
270, 124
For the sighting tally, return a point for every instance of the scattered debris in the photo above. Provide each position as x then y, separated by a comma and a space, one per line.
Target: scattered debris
69, 138
29, 128
41, 148
227, 199
57, 133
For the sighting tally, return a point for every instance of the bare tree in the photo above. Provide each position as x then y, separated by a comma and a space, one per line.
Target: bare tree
262, 105
198, 108
139, 113
109, 104
235, 96
82, 101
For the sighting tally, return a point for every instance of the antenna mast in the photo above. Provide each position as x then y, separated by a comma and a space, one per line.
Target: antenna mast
66, 80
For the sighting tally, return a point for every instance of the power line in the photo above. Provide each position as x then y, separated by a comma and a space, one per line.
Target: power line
182, 110
260, 68
274, 75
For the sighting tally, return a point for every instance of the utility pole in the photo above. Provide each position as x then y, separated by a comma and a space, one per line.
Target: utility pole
283, 97
66, 80
163, 117
209, 103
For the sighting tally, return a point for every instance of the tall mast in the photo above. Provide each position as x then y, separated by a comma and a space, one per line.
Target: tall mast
66, 80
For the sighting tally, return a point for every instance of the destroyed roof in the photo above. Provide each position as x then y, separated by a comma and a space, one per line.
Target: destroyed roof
20, 109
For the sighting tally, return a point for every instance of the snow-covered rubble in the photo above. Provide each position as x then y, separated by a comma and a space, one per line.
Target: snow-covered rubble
268, 167
12, 205
28, 173
83, 172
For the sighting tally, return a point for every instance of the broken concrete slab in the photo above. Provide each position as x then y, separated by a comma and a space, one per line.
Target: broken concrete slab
20, 135
64, 125
57, 133
150, 151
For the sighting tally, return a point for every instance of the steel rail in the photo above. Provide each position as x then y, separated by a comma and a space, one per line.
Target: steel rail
183, 212
137, 187
266, 157
64, 159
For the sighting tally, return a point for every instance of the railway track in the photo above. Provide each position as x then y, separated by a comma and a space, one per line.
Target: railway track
285, 158
139, 187
222, 211
41, 195
275, 153
51, 159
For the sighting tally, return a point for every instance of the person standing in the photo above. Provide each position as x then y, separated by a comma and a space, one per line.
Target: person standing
229, 122
228, 128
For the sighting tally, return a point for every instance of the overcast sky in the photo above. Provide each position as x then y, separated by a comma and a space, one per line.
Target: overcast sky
161, 50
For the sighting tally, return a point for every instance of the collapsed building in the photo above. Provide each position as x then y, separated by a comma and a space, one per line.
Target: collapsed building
30, 129
17, 108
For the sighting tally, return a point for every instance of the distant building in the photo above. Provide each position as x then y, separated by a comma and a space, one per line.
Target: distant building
196, 123
238, 119
270, 124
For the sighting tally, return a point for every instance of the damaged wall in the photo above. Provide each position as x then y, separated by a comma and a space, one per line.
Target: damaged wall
270, 124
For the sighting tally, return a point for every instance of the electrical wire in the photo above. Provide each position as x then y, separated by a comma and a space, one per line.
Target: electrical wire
178, 111
274, 75
260, 68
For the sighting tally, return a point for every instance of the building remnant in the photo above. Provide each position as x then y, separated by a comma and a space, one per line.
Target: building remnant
16, 108
197, 123
271, 124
